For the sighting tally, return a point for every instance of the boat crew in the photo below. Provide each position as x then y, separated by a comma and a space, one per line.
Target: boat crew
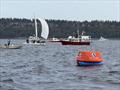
8, 42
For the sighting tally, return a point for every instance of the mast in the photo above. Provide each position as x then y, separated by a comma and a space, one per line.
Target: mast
78, 33
36, 31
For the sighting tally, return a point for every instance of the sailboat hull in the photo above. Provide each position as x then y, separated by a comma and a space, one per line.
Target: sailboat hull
35, 43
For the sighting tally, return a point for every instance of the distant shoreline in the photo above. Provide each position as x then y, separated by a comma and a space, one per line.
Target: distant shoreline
22, 28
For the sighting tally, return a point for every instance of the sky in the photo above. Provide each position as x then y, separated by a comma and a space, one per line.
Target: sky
76, 10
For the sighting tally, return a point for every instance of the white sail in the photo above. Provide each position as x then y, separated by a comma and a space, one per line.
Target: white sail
45, 29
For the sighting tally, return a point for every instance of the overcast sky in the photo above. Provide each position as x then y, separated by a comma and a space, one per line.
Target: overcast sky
79, 10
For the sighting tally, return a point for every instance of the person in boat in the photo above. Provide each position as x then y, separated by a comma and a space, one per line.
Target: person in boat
33, 41
38, 41
76, 35
8, 42
27, 40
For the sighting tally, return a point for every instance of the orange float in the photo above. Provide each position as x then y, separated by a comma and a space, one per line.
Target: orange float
89, 58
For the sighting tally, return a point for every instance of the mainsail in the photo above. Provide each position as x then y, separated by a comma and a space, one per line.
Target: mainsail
45, 29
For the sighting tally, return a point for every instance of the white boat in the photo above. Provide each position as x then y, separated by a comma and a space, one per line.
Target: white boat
54, 40
44, 34
12, 46
102, 39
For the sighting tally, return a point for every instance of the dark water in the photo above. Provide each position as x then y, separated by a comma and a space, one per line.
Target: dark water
53, 67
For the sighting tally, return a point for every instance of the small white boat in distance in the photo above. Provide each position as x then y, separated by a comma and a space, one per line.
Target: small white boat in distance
12, 46
102, 39
55, 40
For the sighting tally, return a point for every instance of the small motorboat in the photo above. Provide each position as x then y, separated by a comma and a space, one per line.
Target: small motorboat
89, 58
102, 39
55, 40
12, 46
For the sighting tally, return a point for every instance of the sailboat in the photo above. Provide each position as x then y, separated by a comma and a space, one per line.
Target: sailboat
44, 34
102, 39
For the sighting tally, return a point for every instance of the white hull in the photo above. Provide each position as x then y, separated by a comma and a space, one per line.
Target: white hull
34, 43
10, 46
102, 39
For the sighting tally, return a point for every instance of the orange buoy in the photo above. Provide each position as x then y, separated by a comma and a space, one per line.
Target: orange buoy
89, 56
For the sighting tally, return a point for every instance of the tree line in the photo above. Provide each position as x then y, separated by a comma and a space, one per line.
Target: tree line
16, 27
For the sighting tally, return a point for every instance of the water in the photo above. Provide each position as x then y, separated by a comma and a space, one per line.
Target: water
53, 67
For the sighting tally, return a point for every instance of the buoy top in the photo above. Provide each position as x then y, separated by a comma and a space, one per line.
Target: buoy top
89, 56
90, 53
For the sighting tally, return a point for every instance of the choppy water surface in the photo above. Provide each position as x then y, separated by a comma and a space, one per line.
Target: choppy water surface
53, 67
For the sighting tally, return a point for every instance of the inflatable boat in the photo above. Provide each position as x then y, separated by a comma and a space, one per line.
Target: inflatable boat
89, 58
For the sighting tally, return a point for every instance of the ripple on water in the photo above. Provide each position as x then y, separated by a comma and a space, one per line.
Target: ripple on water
53, 67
